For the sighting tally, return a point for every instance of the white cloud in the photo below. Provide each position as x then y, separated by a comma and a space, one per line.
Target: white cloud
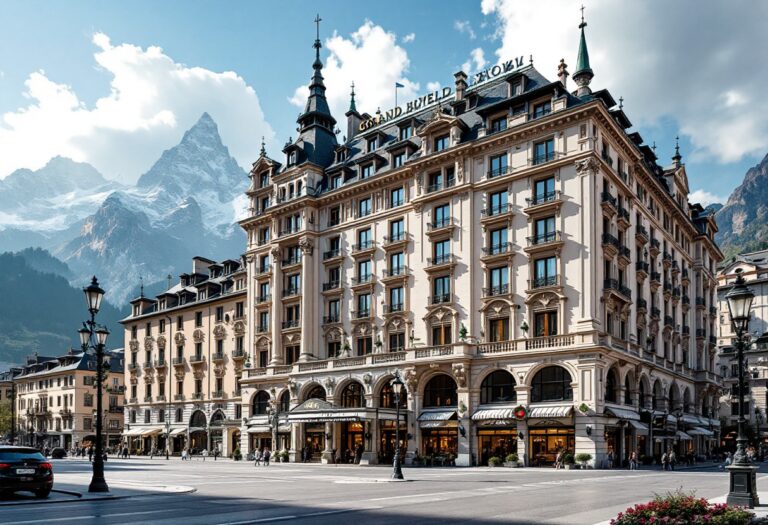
704, 74
410, 37
476, 61
465, 27
373, 60
151, 102
705, 198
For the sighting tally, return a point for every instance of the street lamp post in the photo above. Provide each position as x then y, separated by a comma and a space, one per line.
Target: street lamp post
743, 482
94, 337
397, 391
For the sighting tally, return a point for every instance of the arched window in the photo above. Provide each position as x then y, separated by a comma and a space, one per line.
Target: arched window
498, 387
387, 398
197, 420
674, 400
610, 386
658, 397
260, 403
552, 383
642, 395
217, 419
440, 392
353, 396
317, 392
285, 401
627, 391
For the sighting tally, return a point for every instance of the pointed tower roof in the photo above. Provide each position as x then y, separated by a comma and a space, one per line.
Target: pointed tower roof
317, 105
677, 158
583, 74
352, 106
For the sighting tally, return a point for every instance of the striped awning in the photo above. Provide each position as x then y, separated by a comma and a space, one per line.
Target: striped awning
135, 431
698, 431
482, 414
178, 431
622, 413
151, 431
437, 415
550, 411
690, 419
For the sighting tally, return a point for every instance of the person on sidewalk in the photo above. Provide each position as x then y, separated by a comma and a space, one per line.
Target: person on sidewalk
90, 454
672, 459
215, 453
204, 453
665, 461
633, 461
267, 455
559, 460
610, 458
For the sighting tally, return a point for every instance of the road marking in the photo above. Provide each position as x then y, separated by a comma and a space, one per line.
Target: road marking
50, 520
298, 516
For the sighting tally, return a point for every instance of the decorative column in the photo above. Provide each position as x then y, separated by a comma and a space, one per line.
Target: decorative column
327, 456
310, 284
277, 309
463, 456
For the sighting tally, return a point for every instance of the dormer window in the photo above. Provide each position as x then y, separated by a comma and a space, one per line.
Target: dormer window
498, 124
263, 179
373, 143
516, 88
442, 142
341, 155
543, 109
398, 159
291, 158
366, 171
406, 132
335, 182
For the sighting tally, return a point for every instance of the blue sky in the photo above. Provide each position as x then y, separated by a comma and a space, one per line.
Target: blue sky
702, 80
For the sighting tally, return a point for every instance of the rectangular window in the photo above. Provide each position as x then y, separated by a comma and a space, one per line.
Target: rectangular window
397, 342
498, 124
406, 132
497, 203
498, 165
441, 216
334, 349
364, 207
363, 305
441, 335
219, 314
335, 182
498, 280
263, 292
334, 309
134, 332
293, 284
334, 216
397, 230
396, 263
544, 151
198, 350
239, 309
263, 358
544, 230
263, 179
364, 345
545, 324
263, 322
441, 290
292, 354
545, 272
498, 330
198, 319
498, 240
398, 159
373, 143
366, 171
544, 190
543, 109
396, 300
364, 271
161, 326
364, 239
198, 386
148, 329
441, 251
396, 197
442, 142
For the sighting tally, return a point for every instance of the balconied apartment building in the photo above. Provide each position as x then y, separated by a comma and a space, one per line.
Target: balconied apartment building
754, 268
186, 351
507, 247
56, 400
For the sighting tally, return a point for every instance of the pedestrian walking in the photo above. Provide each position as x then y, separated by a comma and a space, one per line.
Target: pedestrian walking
204, 453
215, 453
267, 455
672, 459
664, 461
559, 460
610, 458
257, 458
633, 461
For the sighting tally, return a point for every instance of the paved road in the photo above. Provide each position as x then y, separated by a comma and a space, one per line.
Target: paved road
239, 494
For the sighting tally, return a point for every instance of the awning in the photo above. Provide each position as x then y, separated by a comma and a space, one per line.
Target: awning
550, 411
494, 413
698, 431
151, 431
640, 428
178, 431
683, 436
259, 429
135, 431
690, 419
622, 413
437, 418
451, 423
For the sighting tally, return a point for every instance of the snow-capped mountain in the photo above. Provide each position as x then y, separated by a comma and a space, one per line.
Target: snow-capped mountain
186, 204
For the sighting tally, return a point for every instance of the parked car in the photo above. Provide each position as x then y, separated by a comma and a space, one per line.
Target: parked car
25, 469
58, 453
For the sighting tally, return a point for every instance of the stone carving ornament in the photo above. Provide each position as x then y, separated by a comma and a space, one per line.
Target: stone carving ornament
161, 342
239, 327
148, 343
134, 345
179, 338
586, 166
306, 245
219, 332
330, 385
198, 336
460, 373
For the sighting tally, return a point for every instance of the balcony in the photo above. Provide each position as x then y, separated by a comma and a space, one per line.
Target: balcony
713, 311
332, 255
543, 282
441, 262
440, 226
398, 239
363, 248
261, 299
623, 217
196, 359
625, 255
686, 330
666, 260
133, 366
147, 399
291, 291
642, 268
675, 268
493, 252
361, 314
395, 274
684, 278
160, 363
614, 286
701, 303
178, 361
493, 291
655, 247
218, 357
713, 340
543, 158
655, 313
655, 280
262, 329
493, 213
394, 308
238, 354
363, 280
686, 301
701, 333
331, 319
669, 321
641, 234
642, 306
288, 231
608, 202
178, 397
440, 298
543, 201
291, 261
287, 325
499, 172
218, 394
147, 365
439, 186
332, 286
543, 241
610, 244
197, 396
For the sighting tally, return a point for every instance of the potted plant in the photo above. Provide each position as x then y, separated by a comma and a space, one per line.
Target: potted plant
494, 461
568, 461
463, 332
345, 350
237, 455
582, 458
524, 327
512, 460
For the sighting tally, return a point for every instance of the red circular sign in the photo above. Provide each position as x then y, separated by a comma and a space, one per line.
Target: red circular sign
520, 412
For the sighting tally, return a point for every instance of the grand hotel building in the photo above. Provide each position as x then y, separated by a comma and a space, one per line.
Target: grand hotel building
522, 261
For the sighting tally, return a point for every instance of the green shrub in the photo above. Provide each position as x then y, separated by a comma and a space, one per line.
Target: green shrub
568, 459
237, 455
512, 458
678, 508
495, 461
583, 457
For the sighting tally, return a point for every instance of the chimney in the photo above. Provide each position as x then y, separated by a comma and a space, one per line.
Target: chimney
461, 85
562, 73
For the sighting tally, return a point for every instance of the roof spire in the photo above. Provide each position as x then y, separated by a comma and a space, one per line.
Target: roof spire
621, 102
677, 158
352, 106
583, 75
141, 280
263, 152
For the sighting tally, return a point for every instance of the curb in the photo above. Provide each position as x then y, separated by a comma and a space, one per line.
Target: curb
87, 498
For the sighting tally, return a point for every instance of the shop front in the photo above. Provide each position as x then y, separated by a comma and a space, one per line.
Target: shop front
387, 439
198, 440
550, 430
496, 432
439, 435
624, 434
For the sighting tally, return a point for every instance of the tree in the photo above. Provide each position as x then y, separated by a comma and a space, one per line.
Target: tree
5, 417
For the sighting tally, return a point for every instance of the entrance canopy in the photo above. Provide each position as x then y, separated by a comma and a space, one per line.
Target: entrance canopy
547, 411
622, 413
698, 431
177, 431
437, 418
501, 412
682, 436
135, 431
321, 411
640, 428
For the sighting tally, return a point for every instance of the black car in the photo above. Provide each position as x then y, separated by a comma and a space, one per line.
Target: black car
58, 453
25, 469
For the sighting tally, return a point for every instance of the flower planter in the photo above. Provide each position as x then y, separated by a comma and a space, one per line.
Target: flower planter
568, 466
510, 464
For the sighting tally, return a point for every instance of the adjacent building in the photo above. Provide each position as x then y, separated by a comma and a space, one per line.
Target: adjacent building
506, 245
754, 269
56, 400
186, 352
